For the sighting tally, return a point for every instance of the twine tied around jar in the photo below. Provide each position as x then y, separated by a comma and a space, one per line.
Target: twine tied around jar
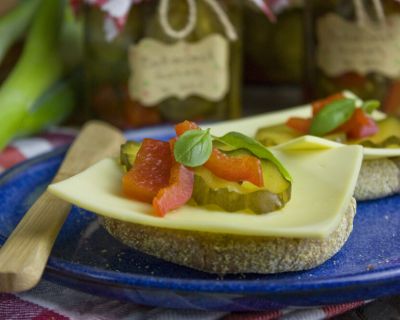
192, 17
362, 16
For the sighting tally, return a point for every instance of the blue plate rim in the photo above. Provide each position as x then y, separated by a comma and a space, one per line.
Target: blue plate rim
243, 286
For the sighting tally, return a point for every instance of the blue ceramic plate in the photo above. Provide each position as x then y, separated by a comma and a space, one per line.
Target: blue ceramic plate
85, 257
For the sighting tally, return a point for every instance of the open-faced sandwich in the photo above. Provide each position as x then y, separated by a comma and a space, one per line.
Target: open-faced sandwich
224, 204
344, 118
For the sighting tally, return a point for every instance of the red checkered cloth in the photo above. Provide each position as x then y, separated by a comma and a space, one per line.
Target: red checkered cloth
52, 301
22, 149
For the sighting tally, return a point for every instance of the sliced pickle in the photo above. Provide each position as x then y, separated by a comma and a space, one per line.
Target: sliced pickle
232, 196
388, 135
391, 142
128, 154
273, 179
262, 201
273, 135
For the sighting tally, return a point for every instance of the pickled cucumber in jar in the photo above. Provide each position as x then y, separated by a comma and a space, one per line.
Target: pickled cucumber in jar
194, 104
107, 71
354, 47
142, 73
274, 52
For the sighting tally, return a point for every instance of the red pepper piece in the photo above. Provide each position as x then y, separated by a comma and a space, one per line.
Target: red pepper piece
178, 191
319, 104
303, 124
150, 172
184, 126
235, 168
299, 124
359, 125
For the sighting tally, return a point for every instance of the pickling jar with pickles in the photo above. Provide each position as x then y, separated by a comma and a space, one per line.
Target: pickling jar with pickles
355, 45
274, 48
163, 60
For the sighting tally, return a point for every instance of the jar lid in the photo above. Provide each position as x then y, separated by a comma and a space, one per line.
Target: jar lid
116, 12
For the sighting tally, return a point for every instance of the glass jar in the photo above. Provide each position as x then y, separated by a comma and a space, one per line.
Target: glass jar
354, 45
274, 51
173, 60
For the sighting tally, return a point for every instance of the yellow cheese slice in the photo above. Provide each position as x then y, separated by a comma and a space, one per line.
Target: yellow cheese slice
307, 143
323, 183
250, 125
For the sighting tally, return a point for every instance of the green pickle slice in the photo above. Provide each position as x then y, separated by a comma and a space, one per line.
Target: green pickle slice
388, 135
128, 153
277, 134
210, 190
233, 196
207, 23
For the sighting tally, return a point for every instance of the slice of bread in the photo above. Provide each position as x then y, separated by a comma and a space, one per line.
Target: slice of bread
378, 178
225, 253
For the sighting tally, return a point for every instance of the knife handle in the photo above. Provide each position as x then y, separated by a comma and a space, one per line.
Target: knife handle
25, 253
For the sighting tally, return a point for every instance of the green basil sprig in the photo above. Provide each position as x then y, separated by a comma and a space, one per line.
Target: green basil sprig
370, 105
193, 148
332, 116
235, 140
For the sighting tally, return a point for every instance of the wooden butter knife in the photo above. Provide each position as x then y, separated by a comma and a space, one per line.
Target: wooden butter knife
24, 255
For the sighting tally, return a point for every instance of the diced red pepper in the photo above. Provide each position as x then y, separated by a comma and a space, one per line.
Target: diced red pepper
299, 124
150, 172
178, 191
184, 126
231, 168
235, 168
320, 104
359, 125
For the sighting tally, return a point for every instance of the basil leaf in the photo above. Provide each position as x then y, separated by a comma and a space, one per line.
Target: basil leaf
236, 140
332, 116
193, 148
370, 105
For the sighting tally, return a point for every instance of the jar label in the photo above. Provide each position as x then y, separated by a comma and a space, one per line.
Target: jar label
365, 47
161, 71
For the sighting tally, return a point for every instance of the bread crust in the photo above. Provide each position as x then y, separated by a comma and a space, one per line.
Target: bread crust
224, 253
378, 178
